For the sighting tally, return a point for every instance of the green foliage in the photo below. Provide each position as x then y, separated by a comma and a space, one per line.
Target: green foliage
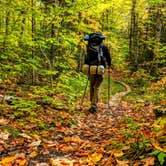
145, 88
134, 139
154, 2
115, 87
11, 130
161, 156
41, 124
71, 85
24, 108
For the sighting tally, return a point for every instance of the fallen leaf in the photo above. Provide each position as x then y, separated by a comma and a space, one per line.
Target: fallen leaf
82, 153
3, 121
73, 139
7, 160
42, 164
16, 160
4, 136
33, 154
118, 153
122, 163
95, 157
20, 161
36, 143
149, 161
61, 162
25, 136
157, 146
67, 149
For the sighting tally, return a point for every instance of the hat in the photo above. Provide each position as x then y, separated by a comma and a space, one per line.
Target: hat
94, 35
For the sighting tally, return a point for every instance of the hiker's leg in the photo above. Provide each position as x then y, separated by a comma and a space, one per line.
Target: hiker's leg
92, 83
98, 81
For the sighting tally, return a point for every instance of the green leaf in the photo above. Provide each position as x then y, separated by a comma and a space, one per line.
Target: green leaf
155, 152
161, 157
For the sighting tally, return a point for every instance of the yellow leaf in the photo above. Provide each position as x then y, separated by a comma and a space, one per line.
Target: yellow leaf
7, 161
118, 153
95, 157
33, 154
22, 161
157, 145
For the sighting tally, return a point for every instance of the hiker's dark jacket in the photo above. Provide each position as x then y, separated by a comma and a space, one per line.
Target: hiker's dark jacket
92, 56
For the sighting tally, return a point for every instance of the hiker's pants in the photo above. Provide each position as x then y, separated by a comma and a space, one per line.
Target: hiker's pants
95, 82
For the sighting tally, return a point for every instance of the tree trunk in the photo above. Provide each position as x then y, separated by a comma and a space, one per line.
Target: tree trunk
33, 38
7, 20
133, 37
157, 34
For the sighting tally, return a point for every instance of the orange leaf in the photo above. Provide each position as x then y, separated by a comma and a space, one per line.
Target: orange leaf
33, 154
83, 153
149, 161
17, 160
20, 161
7, 161
73, 139
157, 145
122, 163
67, 149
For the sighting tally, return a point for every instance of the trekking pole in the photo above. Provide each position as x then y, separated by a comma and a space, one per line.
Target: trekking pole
109, 81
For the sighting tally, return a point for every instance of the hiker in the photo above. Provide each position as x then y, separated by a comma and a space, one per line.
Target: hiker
97, 58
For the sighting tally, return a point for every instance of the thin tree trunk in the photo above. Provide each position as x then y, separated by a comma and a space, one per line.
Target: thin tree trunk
52, 55
33, 38
7, 20
23, 23
133, 37
157, 27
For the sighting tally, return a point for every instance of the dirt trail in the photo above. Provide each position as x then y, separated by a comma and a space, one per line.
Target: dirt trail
90, 141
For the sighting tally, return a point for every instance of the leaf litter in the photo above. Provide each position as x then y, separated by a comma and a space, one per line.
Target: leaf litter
56, 137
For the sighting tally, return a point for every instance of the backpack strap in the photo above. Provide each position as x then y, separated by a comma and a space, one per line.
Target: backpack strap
100, 54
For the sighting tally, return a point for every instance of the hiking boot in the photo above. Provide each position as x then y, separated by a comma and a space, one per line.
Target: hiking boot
93, 110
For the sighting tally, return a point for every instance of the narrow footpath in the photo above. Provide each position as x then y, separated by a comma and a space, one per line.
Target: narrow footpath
78, 139
92, 141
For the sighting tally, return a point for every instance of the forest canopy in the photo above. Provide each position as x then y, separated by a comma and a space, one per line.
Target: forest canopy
43, 39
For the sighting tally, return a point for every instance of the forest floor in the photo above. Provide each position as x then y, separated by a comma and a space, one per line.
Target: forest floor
116, 136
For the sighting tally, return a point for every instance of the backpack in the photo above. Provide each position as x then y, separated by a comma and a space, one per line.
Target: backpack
95, 55
94, 61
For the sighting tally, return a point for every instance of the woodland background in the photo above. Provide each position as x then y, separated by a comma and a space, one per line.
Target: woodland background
42, 51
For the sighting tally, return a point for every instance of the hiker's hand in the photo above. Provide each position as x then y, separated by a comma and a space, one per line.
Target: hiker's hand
112, 67
108, 69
